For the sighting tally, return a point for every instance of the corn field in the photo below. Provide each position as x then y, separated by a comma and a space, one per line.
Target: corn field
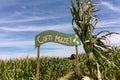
52, 68
25, 69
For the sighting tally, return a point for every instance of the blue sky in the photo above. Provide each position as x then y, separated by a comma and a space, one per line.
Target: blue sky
22, 20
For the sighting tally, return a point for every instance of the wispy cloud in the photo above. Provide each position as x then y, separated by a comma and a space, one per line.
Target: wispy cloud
28, 19
61, 27
16, 43
111, 6
110, 22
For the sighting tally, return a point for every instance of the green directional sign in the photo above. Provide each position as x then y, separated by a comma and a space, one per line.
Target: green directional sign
57, 37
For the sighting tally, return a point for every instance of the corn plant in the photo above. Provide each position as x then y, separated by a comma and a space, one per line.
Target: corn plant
83, 22
108, 72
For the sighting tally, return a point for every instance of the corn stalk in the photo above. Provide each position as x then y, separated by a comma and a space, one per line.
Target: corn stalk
84, 22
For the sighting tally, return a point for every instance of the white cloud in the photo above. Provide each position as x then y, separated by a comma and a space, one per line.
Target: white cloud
115, 40
110, 6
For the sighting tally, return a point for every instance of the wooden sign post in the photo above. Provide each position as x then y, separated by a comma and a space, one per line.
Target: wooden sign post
38, 64
80, 76
57, 37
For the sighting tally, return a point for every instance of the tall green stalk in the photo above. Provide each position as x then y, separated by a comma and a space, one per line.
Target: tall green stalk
83, 22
